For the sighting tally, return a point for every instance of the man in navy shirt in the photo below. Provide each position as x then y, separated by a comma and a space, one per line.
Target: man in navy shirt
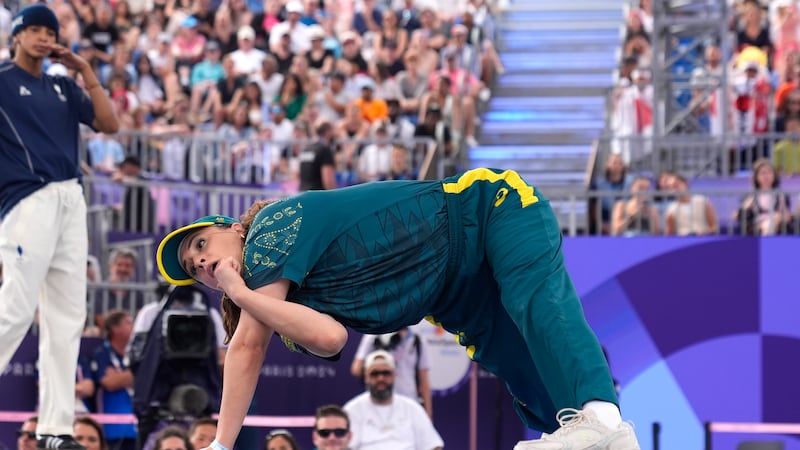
43, 233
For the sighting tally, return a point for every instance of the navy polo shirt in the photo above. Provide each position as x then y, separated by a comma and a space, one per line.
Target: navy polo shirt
39, 132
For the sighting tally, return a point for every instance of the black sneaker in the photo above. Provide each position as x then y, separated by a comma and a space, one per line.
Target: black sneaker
60, 442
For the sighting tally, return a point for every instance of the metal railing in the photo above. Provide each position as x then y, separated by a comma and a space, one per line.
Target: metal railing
703, 155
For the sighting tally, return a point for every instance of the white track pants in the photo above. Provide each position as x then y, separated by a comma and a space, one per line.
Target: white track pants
43, 246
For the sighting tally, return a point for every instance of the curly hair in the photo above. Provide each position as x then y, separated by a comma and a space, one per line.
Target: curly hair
231, 312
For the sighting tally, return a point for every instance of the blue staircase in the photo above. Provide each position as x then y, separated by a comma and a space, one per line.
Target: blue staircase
549, 106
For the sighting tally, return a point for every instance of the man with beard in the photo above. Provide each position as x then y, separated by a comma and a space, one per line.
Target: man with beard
380, 419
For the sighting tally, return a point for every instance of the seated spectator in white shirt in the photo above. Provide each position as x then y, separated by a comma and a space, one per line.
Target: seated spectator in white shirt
247, 59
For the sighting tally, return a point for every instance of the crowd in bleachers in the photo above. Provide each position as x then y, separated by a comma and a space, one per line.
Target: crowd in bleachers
742, 109
229, 71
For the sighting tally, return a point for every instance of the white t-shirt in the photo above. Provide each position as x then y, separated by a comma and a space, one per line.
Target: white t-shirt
248, 62
690, 217
401, 425
405, 356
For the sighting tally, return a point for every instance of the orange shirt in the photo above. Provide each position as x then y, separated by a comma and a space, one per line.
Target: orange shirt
373, 110
782, 92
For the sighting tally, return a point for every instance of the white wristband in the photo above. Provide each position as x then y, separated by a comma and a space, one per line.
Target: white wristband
215, 445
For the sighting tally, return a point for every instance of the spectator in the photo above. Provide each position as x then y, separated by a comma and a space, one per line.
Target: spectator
381, 419
350, 131
90, 434
401, 169
397, 125
411, 83
433, 126
385, 84
636, 215
203, 430
786, 155
351, 52
288, 169
374, 163
149, 87
229, 89
690, 214
391, 35
122, 270
124, 21
317, 164
270, 79
752, 32
372, 108
331, 428
332, 99
432, 28
705, 78
113, 376
138, 206
172, 437
790, 108
247, 59
204, 14
280, 439
225, 32
318, 56
292, 96
428, 58
412, 356
752, 89
84, 388
447, 106
614, 182
767, 211
164, 66
409, 16
102, 32
489, 61
104, 153
26, 435
283, 54
187, 49
633, 117
298, 32
205, 76
368, 18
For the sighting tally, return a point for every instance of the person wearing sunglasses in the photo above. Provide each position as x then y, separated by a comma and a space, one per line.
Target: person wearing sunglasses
281, 439
381, 419
331, 428
26, 435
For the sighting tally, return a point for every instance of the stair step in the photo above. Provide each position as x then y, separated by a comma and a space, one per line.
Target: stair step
534, 126
570, 17
506, 116
587, 25
547, 103
576, 36
582, 5
565, 80
518, 46
584, 62
487, 152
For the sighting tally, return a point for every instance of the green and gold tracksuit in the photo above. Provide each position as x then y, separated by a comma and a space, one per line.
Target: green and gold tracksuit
478, 253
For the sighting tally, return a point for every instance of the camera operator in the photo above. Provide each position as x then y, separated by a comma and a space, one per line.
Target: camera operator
176, 353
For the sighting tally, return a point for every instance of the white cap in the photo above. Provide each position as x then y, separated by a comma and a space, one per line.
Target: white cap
246, 32
294, 6
379, 357
316, 32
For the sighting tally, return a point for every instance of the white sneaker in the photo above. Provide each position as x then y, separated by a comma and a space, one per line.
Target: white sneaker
580, 430
470, 141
